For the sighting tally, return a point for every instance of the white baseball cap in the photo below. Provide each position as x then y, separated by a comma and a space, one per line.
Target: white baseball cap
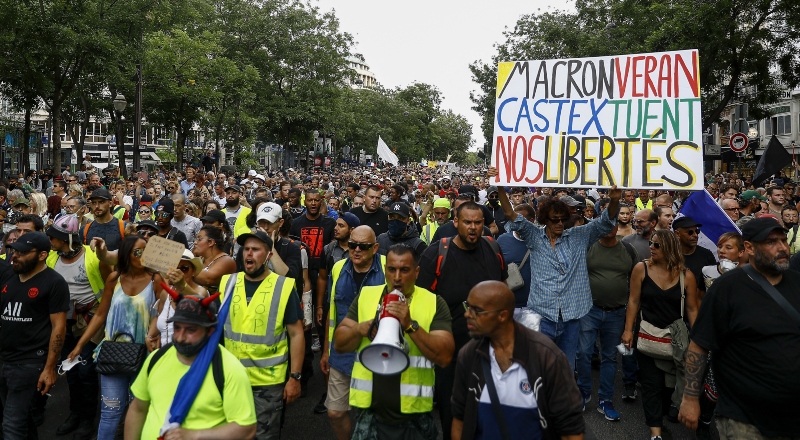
251, 173
270, 212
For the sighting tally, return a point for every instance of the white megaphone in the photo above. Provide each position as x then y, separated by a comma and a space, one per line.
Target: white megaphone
388, 353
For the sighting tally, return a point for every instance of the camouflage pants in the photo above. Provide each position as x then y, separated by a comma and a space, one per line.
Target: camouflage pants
368, 427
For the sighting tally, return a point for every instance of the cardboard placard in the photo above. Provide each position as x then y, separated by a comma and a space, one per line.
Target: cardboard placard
161, 254
628, 120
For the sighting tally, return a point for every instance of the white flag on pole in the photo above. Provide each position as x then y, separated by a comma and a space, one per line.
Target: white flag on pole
386, 154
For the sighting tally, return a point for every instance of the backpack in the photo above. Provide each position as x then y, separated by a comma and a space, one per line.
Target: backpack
216, 366
444, 247
86, 230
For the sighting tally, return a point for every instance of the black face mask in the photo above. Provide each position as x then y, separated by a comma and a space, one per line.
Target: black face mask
258, 272
494, 202
790, 225
190, 350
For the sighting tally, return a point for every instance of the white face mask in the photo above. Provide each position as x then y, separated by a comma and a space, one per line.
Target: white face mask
67, 365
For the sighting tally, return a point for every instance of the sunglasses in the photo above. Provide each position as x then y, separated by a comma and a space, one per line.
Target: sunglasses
556, 221
137, 252
362, 246
691, 232
144, 212
163, 215
184, 268
146, 233
654, 244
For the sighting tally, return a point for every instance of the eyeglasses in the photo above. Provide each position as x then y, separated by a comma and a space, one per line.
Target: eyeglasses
199, 239
146, 233
363, 246
137, 252
476, 311
184, 268
163, 215
654, 244
556, 221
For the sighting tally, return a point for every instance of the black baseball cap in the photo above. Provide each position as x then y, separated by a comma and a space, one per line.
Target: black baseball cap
684, 222
399, 208
236, 188
30, 241
191, 310
166, 205
215, 215
101, 193
147, 223
756, 230
261, 235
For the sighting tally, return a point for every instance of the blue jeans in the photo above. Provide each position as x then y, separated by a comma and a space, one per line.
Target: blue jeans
18, 384
609, 326
115, 394
564, 334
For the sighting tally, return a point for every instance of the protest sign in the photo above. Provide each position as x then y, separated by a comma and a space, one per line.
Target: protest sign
161, 254
631, 120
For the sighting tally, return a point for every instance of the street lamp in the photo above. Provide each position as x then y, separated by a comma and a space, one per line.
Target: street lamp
119, 106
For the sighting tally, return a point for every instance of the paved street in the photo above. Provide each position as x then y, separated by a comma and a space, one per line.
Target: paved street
302, 423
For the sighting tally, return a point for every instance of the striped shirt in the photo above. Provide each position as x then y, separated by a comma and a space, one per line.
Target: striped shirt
559, 277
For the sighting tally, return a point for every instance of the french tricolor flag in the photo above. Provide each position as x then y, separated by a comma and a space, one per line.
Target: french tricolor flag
702, 208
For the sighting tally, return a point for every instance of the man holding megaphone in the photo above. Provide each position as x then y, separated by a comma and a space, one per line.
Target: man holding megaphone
396, 360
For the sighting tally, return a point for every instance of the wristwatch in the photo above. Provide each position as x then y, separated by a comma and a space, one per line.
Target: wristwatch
413, 327
296, 376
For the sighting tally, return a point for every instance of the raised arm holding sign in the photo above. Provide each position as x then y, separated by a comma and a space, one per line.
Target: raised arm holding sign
162, 254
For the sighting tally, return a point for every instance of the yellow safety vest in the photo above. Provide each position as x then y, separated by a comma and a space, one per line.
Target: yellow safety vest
640, 205
416, 383
92, 269
428, 231
254, 332
335, 272
240, 227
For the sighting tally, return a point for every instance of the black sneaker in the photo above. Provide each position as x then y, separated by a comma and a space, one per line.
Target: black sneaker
69, 425
320, 407
672, 415
703, 431
630, 392
85, 430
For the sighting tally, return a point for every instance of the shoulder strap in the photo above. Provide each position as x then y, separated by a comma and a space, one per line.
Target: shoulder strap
773, 292
172, 233
631, 252
443, 248
218, 372
121, 228
496, 249
683, 290
498, 412
794, 235
86, 231
525, 258
160, 353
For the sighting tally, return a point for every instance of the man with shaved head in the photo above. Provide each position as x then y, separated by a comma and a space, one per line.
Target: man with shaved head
185, 223
362, 267
530, 374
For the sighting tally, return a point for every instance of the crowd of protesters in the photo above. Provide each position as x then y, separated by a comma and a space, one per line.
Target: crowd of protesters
509, 298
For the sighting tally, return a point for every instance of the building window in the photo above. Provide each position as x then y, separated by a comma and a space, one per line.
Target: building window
782, 124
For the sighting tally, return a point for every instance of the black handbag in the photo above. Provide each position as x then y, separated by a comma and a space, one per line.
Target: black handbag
120, 358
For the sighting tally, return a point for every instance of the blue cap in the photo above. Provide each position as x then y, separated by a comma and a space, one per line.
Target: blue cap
351, 219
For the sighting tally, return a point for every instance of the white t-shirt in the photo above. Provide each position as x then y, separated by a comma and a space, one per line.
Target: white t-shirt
80, 291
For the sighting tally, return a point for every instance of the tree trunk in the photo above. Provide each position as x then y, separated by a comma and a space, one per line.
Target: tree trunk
82, 136
120, 144
56, 141
24, 161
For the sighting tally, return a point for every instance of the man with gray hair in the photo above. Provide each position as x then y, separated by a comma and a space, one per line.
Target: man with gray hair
185, 223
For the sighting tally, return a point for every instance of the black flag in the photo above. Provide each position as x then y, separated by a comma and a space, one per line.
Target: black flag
775, 157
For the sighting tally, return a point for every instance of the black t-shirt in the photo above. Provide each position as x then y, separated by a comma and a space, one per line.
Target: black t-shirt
294, 311
755, 351
449, 230
110, 232
700, 258
25, 329
315, 234
461, 271
6, 271
378, 220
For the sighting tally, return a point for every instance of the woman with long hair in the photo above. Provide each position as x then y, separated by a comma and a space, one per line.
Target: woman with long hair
210, 205
656, 291
39, 206
208, 245
125, 309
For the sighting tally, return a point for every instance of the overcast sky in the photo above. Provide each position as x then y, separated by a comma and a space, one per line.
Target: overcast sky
431, 41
